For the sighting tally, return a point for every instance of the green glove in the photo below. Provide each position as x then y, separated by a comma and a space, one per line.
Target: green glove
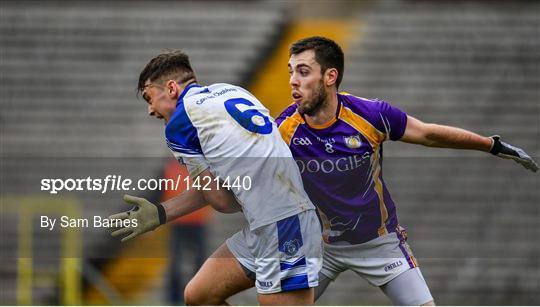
148, 215
507, 151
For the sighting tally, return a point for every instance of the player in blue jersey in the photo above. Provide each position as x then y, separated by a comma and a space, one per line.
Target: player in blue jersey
337, 139
224, 134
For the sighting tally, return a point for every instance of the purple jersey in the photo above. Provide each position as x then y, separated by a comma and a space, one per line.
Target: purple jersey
341, 166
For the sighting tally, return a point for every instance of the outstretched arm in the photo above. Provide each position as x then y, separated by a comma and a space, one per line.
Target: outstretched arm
433, 135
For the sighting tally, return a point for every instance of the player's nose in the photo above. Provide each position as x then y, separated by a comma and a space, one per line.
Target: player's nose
293, 80
151, 111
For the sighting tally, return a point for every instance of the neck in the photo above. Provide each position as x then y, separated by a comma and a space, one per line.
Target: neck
326, 113
182, 86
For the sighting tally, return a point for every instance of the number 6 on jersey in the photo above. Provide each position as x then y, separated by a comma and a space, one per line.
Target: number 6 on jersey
252, 120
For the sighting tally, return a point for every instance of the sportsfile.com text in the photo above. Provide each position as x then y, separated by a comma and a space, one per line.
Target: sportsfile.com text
119, 183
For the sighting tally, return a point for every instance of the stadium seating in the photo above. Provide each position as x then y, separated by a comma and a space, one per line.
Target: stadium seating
472, 219
69, 109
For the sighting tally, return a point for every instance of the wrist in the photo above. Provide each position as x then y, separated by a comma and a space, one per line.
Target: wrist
495, 145
162, 215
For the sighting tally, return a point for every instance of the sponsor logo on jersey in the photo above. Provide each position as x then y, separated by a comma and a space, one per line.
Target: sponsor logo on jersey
302, 141
328, 165
291, 247
327, 141
353, 141
393, 266
214, 95
265, 284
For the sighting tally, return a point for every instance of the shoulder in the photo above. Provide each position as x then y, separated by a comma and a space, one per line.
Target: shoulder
178, 124
361, 105
216, 86
370, 109
181, 135
381, 115
287, 113
288, 121
194, 92
227, 88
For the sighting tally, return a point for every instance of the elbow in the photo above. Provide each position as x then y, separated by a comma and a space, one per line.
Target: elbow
223, 203
220, 205
225, 210
429, 142
224, 207
429, 137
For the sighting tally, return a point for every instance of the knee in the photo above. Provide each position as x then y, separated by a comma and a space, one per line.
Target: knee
195, 295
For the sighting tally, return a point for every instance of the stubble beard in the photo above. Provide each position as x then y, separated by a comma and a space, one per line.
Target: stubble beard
310, 108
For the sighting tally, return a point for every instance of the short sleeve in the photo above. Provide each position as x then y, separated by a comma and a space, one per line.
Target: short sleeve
196, 166
389, 119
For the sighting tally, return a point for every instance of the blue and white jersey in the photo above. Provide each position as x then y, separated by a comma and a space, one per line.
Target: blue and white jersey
225, 129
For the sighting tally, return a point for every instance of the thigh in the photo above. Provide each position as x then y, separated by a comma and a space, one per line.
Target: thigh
409, 288
379, 260
220, 277
288, 255
332, 266
335, 262
302, 297
324, 282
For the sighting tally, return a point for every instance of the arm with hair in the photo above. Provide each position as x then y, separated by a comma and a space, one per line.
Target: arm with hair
192, 200
149, 216
433, 135
221, 199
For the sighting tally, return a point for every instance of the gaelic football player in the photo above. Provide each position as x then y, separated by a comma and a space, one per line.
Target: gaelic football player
222, 132
337, 139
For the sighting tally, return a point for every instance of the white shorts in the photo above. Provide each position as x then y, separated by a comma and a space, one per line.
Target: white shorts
378, 261
284, 256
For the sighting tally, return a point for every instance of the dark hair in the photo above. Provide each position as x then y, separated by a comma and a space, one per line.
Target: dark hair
168, 65
327, 53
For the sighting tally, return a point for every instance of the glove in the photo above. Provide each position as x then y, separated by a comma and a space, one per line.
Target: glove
148, 215
507, 151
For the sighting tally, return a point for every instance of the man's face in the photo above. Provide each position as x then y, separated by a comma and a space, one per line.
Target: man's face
161, 104
308, 90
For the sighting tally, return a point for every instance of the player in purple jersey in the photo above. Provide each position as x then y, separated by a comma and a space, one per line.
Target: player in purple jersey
337, 139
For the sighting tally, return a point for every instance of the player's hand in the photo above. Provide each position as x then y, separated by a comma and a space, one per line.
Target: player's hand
148, 215
507, 151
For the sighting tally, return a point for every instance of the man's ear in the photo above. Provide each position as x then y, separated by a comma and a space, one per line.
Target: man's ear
172, 89
330, 76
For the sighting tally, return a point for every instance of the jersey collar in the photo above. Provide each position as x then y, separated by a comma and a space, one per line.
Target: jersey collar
331, 121
186, 90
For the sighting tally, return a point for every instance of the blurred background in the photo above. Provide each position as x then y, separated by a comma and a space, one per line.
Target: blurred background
69, 110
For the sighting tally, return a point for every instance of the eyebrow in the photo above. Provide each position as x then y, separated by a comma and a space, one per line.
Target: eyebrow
299, 66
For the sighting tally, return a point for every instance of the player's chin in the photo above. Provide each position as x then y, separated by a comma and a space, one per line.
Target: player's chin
165, 121
304, 108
